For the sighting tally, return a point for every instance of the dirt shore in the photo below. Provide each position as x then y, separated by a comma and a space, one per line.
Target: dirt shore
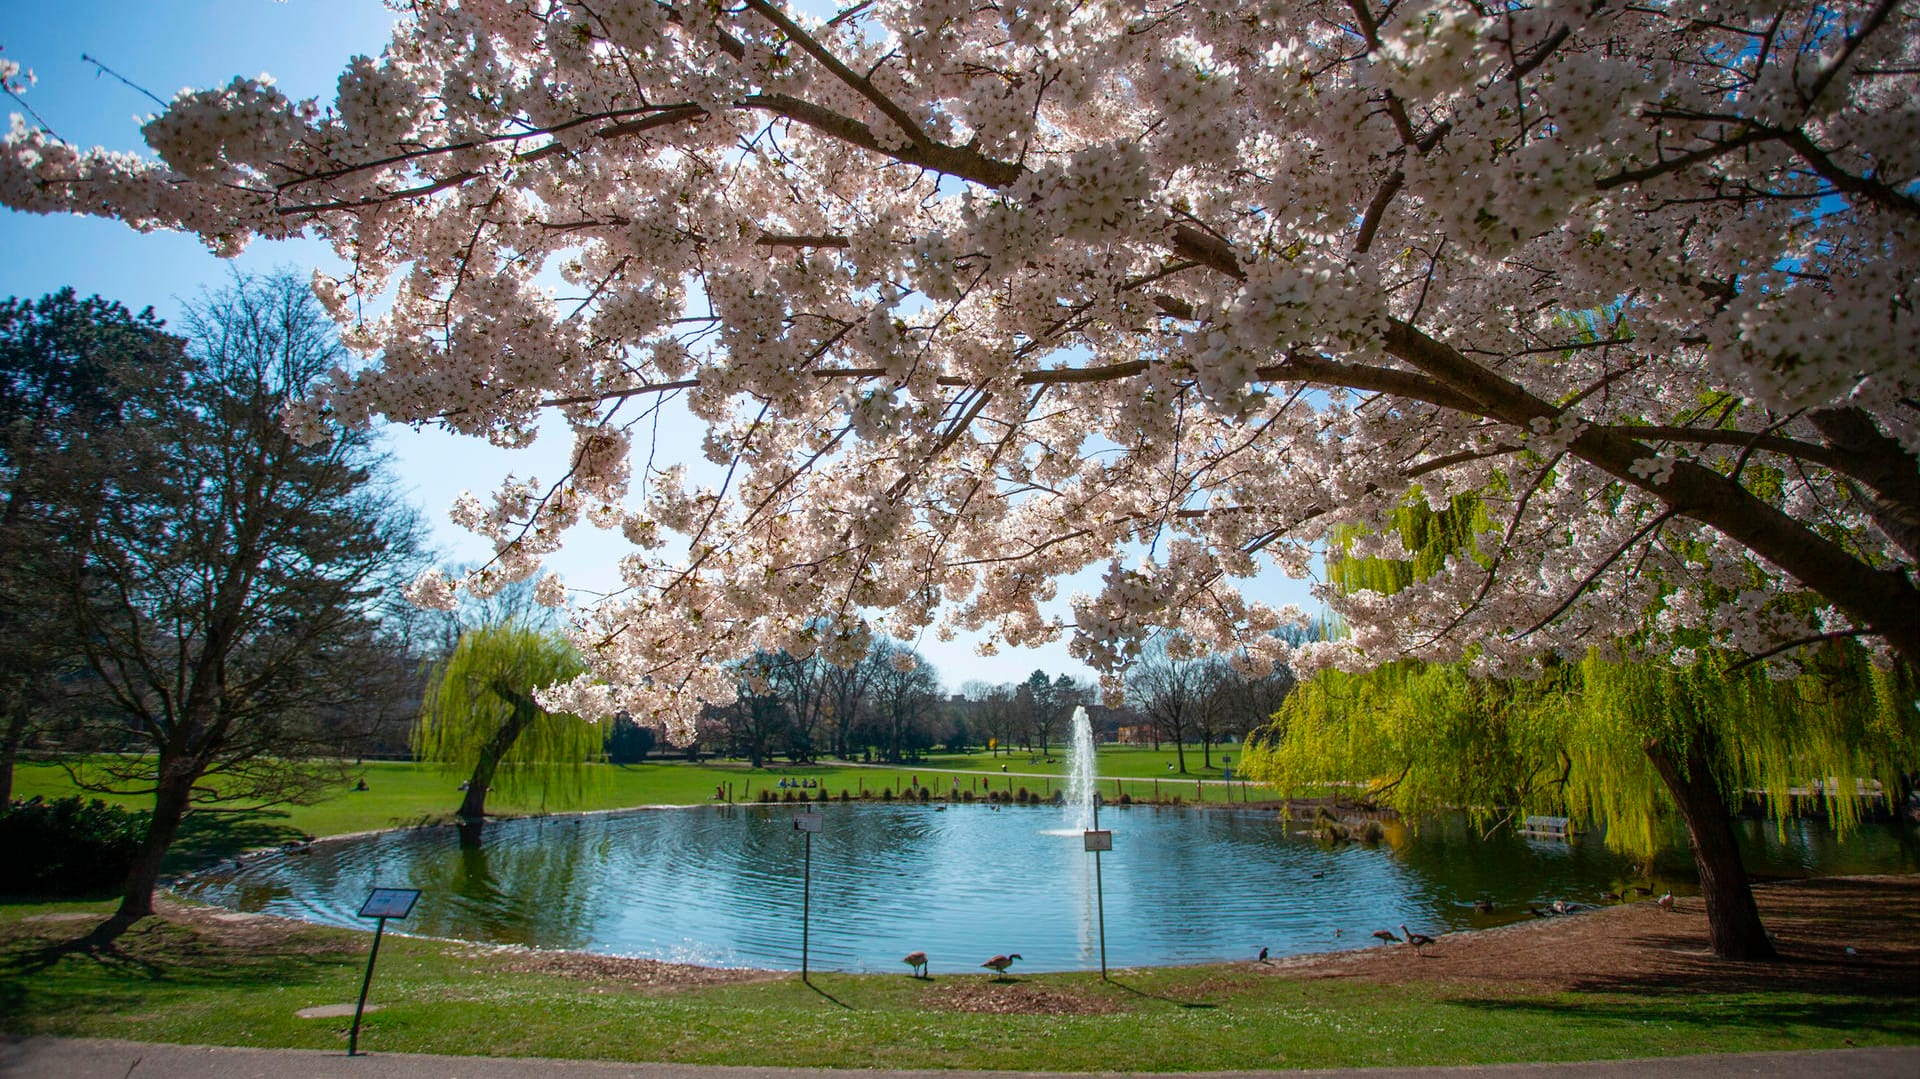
1859, 934
1852, 934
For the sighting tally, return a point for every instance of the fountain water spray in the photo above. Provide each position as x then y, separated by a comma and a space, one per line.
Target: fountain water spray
1082, 778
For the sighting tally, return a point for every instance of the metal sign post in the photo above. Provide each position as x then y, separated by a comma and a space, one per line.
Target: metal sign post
806, 824
381, 904
1097, 841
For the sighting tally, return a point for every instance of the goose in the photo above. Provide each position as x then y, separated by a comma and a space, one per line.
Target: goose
918, 961
1386, 936
1000, 963
1413, 938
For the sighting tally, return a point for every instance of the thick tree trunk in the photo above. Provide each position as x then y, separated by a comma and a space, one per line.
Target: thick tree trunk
9, 753
474, 805
1733, 921
172, 794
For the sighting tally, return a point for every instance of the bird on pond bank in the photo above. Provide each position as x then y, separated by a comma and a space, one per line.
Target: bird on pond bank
918, 961
1665, 901
1386, 936
1415, 939
1263, 954
999, 963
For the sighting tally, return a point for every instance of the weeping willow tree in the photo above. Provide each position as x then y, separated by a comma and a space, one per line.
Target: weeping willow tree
480, 714
1620, 744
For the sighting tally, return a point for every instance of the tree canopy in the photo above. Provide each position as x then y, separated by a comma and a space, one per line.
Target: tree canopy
65, 366
973, 297
225, 585
480, 715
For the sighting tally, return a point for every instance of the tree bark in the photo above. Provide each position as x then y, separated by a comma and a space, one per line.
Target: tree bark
10, 752
173, 792
1733, 921
474, 805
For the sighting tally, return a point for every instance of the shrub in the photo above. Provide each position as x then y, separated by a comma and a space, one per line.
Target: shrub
68, 846
886, 794
1126, 799
925, 794
843, 794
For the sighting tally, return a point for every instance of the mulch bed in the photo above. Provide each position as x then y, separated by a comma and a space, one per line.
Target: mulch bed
1640, 948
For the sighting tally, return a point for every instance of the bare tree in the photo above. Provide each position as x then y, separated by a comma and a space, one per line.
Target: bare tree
1168, 685
758, 721
229, 588
995, 708
846, 693
904, 690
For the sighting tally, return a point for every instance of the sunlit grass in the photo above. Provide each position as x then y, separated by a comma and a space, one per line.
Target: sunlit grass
399, 794
168, 982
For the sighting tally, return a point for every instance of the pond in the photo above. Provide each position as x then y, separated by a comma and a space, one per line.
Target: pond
721, 886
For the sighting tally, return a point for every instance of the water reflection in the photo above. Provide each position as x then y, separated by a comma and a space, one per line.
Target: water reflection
721, 885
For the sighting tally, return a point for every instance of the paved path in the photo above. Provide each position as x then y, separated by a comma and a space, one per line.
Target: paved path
89, 1058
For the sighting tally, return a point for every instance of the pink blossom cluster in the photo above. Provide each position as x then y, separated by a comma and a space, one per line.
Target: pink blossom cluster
975, 296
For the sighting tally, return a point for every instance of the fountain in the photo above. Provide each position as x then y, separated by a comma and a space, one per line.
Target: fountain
720, 885
1082, 778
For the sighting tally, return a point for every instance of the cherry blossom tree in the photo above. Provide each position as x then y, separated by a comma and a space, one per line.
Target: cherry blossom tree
975, 295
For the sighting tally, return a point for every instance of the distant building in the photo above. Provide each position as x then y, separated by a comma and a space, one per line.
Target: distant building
1136, 736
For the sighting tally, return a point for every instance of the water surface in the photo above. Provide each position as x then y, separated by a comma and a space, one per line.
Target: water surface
721, 886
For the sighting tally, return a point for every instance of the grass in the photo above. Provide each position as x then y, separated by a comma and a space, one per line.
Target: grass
171, 982
399, 794
174, 982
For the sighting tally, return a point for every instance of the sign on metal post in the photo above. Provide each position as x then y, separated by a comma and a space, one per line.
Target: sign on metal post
806, 824
386, 903
381, 904
1096, 840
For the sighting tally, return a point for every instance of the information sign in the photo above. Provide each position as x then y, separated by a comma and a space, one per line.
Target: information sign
808, 822
1099, 840
389, 903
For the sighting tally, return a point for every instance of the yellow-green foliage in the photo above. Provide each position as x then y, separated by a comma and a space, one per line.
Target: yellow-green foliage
477, 690
1574, 742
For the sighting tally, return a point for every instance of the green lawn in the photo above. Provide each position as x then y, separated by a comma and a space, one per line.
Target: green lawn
400, 794
1143, 762
170, 982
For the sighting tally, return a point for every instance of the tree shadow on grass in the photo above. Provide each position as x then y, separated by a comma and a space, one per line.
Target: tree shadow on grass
113, 962
1196, 1005
1838, 1013
209, 834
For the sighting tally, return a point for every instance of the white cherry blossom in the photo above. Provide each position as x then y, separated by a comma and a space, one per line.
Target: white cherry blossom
975, 296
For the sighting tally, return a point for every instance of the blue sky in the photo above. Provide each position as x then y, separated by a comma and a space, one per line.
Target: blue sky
164, 45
